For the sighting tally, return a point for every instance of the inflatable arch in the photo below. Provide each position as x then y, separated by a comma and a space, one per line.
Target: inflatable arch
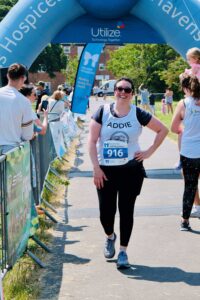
32, 24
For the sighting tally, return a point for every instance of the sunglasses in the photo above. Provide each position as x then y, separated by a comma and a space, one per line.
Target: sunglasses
126, 90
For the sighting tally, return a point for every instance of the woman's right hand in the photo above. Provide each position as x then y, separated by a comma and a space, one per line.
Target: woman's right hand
99, 177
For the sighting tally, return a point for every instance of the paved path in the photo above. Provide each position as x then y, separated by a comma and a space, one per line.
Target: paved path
165, 263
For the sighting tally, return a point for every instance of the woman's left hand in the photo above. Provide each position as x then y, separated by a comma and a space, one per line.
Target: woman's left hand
142, 155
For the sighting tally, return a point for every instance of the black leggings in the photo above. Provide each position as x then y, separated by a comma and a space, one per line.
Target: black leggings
124, 182
191, 170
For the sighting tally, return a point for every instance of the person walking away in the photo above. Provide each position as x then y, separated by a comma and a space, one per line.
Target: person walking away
169, 99
16, 124
189, 127
152, 98
193, 59
144, 93
118, 162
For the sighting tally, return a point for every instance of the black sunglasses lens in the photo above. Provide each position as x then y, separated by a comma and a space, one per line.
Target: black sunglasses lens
120, 89
127, 90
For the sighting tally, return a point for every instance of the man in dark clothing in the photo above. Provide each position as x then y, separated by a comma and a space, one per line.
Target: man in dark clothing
41, 91
152, 98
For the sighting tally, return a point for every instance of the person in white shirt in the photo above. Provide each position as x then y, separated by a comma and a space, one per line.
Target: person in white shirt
186, 123
16, 123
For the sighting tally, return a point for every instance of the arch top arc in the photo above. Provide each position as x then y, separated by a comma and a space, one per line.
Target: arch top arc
31, 25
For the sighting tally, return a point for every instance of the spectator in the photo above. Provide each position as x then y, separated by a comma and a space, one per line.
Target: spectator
163, 106
41, 90
152, 98
144, 96
169, 99
39, 127
186, 123
43, 104
56, 106
16, 123
67, 92
193, 58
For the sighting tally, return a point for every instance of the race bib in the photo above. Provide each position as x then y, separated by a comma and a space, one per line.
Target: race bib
115, 153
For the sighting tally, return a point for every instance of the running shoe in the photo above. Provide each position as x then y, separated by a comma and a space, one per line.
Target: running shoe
109, 249
122, 260
185, 226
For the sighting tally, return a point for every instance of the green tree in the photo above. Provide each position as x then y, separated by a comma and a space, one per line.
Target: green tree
147, 63
126, 61
51, 59
5, 6
71, 70
172, 73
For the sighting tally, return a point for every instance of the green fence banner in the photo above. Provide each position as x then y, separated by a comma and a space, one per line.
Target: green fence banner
34, 219
18, 201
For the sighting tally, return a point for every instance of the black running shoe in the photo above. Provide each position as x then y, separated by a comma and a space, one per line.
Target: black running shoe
185, 226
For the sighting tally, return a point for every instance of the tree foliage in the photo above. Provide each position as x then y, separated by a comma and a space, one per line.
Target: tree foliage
5, 6
155, 65
172, 73
71, 71
51, 59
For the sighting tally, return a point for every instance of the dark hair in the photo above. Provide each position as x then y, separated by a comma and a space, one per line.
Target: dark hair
26, 90
126, 79
15, 71
67, 90
192, 83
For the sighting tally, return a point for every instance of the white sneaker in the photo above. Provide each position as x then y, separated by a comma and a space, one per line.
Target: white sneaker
195, 213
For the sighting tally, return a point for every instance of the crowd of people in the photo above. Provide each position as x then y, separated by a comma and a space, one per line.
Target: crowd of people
147, 100
18, 120
114, 148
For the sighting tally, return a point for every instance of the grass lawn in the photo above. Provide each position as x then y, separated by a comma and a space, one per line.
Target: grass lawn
166, 119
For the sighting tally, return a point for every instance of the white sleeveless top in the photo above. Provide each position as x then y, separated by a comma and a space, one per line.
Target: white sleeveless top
190, 142
118, 139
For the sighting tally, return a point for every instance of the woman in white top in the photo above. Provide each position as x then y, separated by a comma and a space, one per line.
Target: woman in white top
117, 162
186, 121
56, 106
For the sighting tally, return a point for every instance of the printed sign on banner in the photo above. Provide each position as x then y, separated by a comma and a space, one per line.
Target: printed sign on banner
70, 128
18, 201
56, 131
85, 77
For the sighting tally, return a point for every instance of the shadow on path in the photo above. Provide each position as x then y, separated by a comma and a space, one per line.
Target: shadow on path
161, 274
53, 274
